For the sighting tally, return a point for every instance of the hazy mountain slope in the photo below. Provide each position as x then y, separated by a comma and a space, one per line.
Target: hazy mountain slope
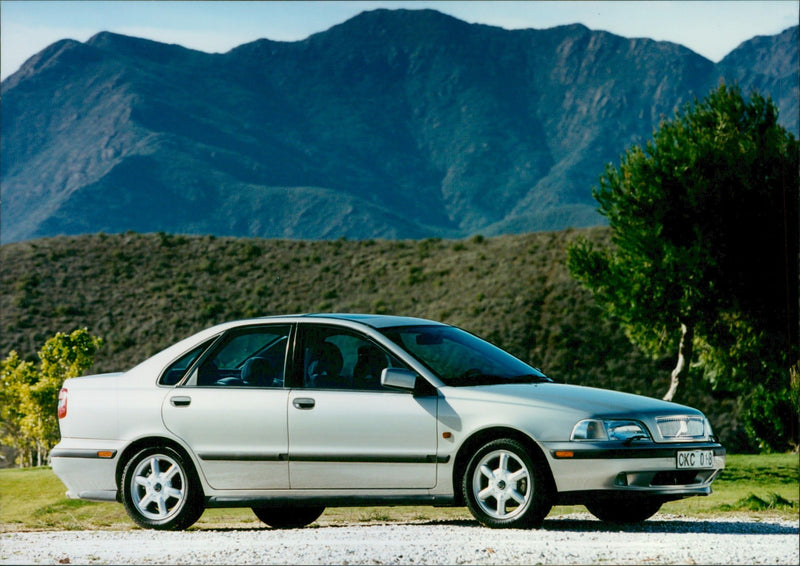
394, 124
770, 64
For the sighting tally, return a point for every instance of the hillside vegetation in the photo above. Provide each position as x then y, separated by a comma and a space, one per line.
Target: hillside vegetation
142, 292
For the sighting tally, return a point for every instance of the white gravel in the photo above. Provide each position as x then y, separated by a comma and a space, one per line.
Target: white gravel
571, 539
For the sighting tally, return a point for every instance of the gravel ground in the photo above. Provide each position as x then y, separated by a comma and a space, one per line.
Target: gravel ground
571, 539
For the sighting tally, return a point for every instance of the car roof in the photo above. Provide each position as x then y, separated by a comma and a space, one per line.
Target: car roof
376, 320
373, 320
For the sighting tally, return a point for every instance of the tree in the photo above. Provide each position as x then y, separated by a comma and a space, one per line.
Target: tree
16, 377
704, 245
29, 396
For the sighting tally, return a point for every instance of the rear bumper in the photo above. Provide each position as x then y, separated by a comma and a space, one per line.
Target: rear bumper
584, 469
88, 468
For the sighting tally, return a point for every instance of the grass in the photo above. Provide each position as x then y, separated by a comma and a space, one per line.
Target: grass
756, 486
764, 485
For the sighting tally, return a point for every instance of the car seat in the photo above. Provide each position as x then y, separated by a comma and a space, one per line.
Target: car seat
367, 372
258, 372
324, 363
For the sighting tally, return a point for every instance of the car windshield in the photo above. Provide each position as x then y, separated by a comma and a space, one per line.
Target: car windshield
459, 358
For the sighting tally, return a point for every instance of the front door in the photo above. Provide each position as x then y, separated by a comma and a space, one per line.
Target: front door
348, 432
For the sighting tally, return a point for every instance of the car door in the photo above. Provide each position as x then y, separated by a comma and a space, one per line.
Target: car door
348, 432
231, 410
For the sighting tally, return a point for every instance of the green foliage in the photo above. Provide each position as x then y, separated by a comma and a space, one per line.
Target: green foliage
771, 416
16, 378
704, 236
29, 397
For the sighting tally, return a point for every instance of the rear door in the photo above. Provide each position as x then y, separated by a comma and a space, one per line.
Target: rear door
232, 410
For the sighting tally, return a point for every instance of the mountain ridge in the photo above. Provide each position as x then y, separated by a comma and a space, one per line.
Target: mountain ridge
393, 124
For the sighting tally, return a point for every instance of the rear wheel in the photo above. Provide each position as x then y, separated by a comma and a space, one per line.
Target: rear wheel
505, 487
624, 510
160, 490
288, 517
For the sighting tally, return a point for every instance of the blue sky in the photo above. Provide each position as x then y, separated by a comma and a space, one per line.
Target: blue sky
711, 28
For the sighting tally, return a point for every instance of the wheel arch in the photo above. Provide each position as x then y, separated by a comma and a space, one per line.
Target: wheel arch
152, 442
483, 436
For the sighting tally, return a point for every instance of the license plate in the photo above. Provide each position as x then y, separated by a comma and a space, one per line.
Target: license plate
695, 459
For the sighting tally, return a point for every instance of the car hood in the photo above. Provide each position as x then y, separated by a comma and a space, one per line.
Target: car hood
588, 401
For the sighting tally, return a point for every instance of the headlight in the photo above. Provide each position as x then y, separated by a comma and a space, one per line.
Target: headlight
607, 429
589, 430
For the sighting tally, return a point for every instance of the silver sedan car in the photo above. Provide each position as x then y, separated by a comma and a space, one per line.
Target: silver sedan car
289, 415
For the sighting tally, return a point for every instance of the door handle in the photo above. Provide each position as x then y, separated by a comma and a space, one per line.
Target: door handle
181, 401
304, 403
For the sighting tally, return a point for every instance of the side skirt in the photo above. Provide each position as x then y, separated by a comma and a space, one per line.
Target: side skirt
328, 500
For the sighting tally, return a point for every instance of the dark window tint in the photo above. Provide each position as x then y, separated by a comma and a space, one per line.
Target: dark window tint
460, 358
251, 357
338, 359
175, 372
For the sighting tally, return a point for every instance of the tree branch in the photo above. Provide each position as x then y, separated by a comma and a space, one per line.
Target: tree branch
684, 358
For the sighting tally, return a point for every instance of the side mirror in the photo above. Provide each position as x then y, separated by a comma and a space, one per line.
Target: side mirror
398, 378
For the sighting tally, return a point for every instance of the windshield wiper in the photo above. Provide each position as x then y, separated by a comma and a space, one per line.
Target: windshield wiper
475, 378
472, 377
529, 378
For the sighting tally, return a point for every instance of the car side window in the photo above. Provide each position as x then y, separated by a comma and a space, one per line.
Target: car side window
250, 357
175, 372
334, 358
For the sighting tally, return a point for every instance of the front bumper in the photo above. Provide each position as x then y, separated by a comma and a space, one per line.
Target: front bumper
640, 469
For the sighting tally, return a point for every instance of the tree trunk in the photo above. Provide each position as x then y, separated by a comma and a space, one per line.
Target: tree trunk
684, 359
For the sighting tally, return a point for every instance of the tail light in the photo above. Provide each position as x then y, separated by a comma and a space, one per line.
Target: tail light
62, 403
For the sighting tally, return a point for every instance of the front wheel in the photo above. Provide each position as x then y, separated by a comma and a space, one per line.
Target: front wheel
624, 510
504, 487
161, 491
288, 517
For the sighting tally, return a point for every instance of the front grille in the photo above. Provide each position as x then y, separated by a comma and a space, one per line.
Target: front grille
680, 427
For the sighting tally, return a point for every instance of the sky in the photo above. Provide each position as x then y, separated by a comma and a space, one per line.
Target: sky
711, 28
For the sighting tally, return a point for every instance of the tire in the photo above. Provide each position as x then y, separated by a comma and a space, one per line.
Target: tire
618, 510
504, 487
160, 490
288, 517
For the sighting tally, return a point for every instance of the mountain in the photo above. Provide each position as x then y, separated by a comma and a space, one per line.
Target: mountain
769, 64
394, 124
